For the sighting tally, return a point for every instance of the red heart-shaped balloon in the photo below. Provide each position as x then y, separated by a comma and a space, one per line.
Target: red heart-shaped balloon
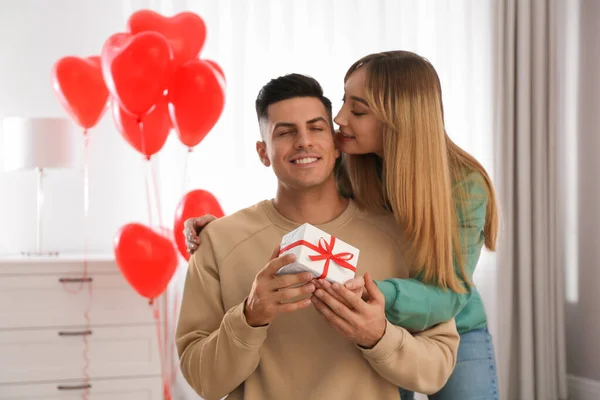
80, 88
136, 69
192, 205
186, 31
217, 68
197, 98
155, 127
147, 259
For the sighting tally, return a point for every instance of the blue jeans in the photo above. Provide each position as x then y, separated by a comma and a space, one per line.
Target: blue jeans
475, 376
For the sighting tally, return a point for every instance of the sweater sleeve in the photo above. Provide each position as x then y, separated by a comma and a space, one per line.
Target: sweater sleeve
421, 363
218, 350
417, 306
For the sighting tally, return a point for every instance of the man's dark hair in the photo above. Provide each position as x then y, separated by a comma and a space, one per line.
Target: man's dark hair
288, 87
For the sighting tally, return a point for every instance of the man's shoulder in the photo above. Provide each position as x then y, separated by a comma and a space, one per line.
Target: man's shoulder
229, 231
247, 218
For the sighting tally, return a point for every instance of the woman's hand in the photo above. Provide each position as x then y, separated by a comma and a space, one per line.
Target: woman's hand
192, 228
355, 285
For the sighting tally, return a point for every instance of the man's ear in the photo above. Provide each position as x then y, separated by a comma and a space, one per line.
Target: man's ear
338, 152
336, 145
261, 150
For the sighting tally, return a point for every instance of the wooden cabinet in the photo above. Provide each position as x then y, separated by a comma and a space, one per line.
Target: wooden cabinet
43, 332
116, 389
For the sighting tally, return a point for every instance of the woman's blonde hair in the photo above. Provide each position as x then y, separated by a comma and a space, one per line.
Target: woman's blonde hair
420, 164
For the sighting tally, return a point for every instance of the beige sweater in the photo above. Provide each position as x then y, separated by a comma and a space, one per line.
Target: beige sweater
299, 355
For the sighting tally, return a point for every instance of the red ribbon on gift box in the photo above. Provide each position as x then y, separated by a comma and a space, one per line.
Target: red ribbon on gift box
325, 251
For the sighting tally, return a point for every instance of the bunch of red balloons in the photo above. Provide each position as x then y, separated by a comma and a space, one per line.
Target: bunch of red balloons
154, 80
147, 258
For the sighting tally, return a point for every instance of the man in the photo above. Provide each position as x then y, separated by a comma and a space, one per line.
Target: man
246, 332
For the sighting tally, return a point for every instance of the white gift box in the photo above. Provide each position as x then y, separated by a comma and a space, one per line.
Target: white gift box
320, 253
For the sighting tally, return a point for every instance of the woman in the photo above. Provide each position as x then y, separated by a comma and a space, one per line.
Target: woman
398, 157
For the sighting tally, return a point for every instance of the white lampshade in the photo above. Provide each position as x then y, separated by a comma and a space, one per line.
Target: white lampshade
31, 143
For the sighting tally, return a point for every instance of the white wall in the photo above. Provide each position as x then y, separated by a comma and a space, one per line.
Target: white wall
579, 110
34, 34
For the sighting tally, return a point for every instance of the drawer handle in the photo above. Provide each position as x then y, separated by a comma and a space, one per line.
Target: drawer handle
70, 280
74, 387
75, 333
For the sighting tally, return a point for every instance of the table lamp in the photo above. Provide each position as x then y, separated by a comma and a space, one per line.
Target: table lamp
40, 144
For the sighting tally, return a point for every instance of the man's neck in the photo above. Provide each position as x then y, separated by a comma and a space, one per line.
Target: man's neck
316, 206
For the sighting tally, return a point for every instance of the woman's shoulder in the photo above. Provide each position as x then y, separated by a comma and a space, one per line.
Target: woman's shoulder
470, 196
469, 184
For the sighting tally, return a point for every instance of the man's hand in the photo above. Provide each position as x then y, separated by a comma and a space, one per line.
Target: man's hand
192, 228
271, 295
363, 322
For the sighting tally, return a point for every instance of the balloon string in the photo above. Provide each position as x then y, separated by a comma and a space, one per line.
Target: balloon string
167, 342
86, 344
163, 343
157, 197
168, 361
160, 338
186, 175
165, 300
142, 136
86, 177
185, 186
86, 215
148, 199
148, 172
86, 208
175, 313
156, 314
86, 198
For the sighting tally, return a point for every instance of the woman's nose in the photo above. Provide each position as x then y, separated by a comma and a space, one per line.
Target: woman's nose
339, 119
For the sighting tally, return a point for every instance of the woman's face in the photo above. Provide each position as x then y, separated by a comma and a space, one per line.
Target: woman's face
360, 132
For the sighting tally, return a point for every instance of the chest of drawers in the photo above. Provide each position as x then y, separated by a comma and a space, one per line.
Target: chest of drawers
43, 332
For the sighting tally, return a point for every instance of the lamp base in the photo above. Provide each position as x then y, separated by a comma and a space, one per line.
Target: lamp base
40, 253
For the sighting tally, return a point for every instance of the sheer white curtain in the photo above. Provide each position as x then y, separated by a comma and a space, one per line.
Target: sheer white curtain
531, 184
256, 40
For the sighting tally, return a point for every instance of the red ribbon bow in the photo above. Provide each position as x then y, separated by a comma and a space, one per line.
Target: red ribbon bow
325, 251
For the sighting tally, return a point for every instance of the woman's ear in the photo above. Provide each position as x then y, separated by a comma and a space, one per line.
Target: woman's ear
261, 150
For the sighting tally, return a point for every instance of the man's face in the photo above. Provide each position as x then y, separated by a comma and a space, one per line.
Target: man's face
298, 143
